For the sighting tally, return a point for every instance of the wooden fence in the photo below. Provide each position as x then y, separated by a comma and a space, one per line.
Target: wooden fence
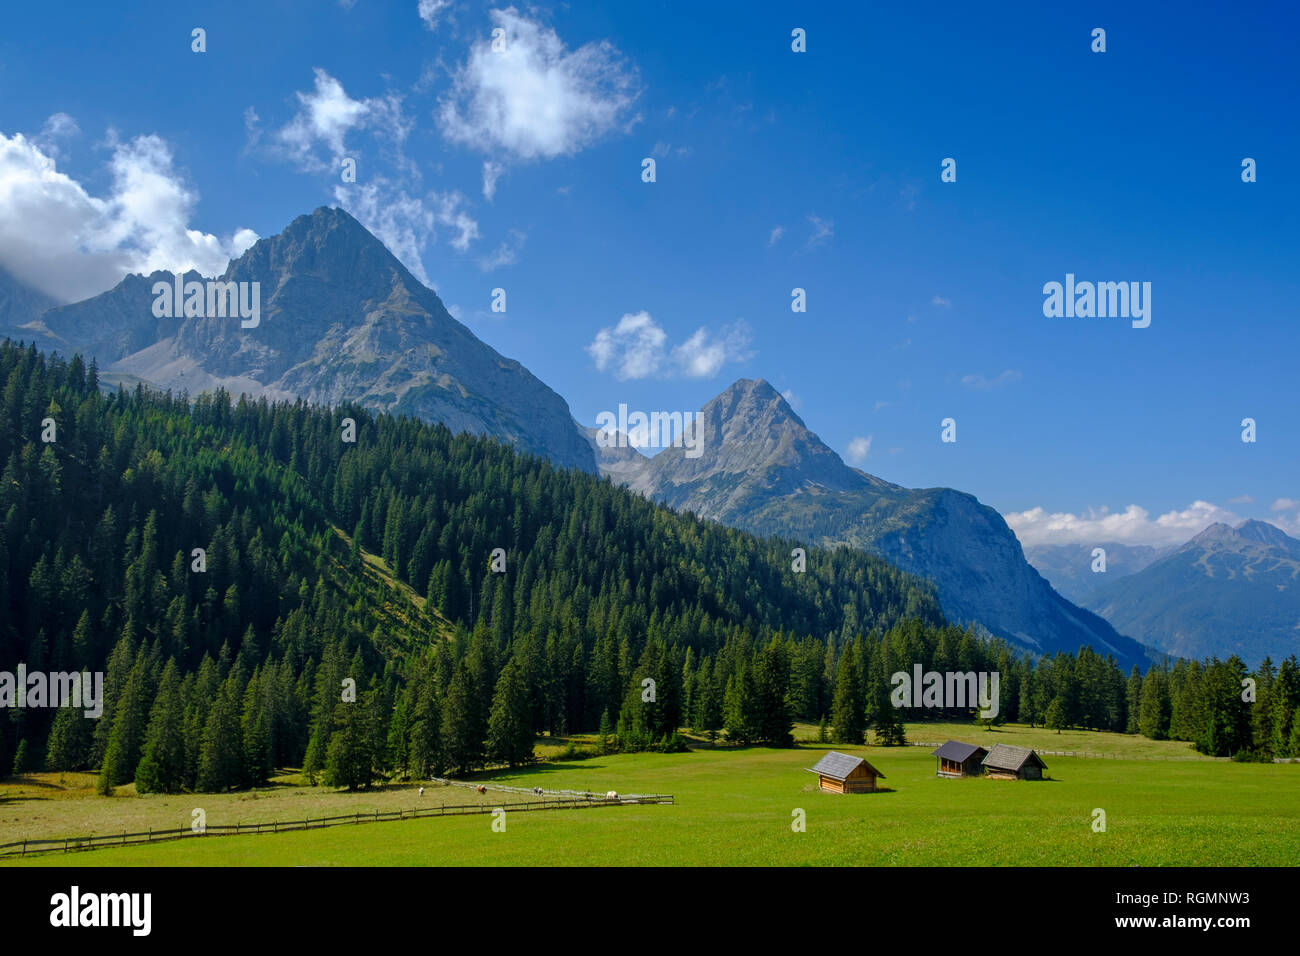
563, 802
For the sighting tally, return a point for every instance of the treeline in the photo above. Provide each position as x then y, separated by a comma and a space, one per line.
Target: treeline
107, 501
285, 645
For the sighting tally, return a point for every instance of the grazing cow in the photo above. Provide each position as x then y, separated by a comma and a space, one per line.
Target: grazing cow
611, 795
481, 789
422, 791
539, 791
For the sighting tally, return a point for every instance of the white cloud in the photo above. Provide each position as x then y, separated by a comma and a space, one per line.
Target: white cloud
407, 224
60, 239
431, 10
507, 253
859, 449
703, 354
775, 237
58, 127
941, 302
536, 98
1133, 525
984, 384
632, 349
638, 348
823, 229
327, 115
1284, 504
791, 399
491, 173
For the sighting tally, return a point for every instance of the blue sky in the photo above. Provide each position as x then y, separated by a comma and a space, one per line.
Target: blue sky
774, 170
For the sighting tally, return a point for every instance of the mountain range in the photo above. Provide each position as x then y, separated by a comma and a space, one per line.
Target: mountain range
1226, 591
1069, 567
762, 470
342, 320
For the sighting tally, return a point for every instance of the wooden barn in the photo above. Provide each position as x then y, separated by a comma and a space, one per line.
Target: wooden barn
1005, 762
841, 773
956, 759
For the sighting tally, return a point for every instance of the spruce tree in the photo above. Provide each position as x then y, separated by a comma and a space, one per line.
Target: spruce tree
162, 767
510, 735
848, 710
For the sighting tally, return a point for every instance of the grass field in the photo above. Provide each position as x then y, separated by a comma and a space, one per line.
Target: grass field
734, 807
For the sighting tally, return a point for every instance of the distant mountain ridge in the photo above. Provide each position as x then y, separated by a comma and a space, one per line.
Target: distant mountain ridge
762, 470
1226, 591
1068, 567
341, 320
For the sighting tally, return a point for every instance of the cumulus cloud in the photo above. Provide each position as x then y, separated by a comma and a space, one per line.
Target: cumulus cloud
59, 238
981, 383
859, 449
536, 98
704, 354
1133, 525
637, 347
1284, 504
325, 117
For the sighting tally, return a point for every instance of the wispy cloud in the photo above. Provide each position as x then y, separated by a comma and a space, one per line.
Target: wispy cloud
980, 383
822, 230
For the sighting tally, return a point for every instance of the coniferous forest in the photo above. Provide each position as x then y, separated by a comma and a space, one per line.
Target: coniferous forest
260, 592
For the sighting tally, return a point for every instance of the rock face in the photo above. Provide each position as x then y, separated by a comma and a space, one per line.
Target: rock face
1226, 591
763, 471
1068, 567
21, 306
341, 320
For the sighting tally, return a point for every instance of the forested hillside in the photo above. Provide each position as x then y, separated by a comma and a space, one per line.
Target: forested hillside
325, 560
100, 526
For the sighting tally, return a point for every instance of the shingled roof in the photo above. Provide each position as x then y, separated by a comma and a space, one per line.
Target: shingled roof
1006, 757
838, 766
957, 751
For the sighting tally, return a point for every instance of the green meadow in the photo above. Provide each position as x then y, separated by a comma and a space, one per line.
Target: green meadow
737, 807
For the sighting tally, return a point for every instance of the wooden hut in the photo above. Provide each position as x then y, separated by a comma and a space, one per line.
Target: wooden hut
841, 773
956, 759
1005, 762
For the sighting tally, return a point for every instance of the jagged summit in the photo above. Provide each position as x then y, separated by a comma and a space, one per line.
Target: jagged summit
341, 319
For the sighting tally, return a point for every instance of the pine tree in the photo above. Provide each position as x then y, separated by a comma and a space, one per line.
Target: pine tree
350, 762
848, 711
162, 766
221, 762
464, 724
1055, 718
510, 735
